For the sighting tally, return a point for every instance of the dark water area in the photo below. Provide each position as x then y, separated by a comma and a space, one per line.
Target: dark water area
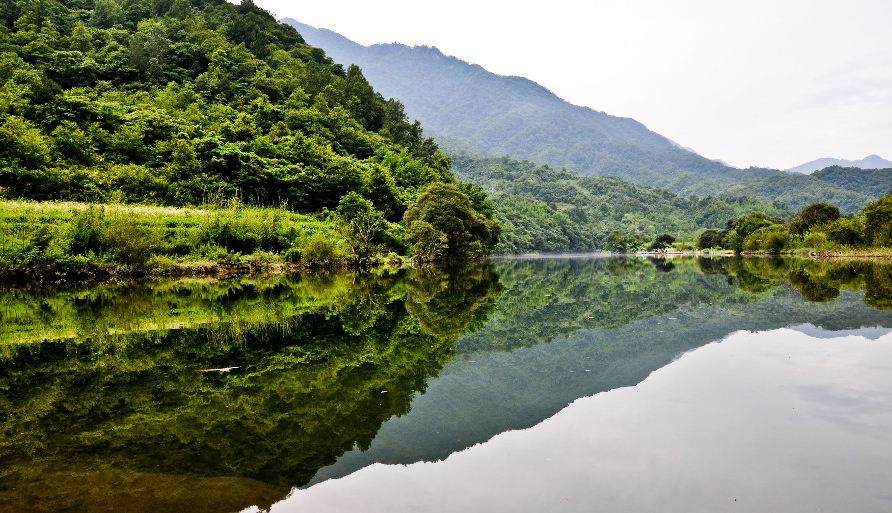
583, 384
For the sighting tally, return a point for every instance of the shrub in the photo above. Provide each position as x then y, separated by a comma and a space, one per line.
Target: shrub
816, 240
293, 255
878, 222
130, 242
772, 239
847, 231
320, 252
710, 239
86, 231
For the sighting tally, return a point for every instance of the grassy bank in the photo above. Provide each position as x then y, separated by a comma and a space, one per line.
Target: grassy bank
68, 241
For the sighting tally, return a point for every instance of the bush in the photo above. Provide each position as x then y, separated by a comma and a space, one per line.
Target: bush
293, 255
86, 231
320, 253
878, 222
847, 231
710, 239
130, 242
771, 239
816, 240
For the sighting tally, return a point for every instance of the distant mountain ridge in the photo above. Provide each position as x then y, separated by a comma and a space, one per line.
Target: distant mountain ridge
474, 110
471, 111
868, 162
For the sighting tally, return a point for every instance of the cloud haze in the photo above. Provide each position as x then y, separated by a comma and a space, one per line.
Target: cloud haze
752, 83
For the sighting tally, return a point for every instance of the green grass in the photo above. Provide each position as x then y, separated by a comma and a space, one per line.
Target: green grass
39, 239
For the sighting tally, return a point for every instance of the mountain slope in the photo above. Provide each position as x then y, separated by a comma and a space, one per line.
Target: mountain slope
868, 162
177, 102
471, 109
545, 209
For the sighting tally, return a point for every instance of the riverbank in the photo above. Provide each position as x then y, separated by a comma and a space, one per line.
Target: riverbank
60, 242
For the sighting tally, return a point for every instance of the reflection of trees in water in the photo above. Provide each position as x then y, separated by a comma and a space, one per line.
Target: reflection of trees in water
322, 363
816, 280
320, 380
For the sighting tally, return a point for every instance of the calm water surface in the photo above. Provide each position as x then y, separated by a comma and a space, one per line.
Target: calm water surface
556, 385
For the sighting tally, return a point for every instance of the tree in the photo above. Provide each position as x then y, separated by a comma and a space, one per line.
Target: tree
662, 242
468, 234
710, 239
363, 224
878, 222
848, 231
428, 243
813, 215
744, 226
107, 14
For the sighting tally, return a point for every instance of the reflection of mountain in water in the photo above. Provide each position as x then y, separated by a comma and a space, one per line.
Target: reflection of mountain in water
870, 333
335, 375
485, 392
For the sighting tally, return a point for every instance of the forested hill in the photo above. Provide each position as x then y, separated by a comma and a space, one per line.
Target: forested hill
176, 102
495, 115
541, 208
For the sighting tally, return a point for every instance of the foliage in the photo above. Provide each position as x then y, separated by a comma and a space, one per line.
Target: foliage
364, 225
878, 222
711, 239
320, 253
428, 243
194, 103
813, 215
543, 209
662, 242
772, 239
468, 233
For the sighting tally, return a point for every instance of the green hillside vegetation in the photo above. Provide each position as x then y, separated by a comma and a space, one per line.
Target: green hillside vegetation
196, 103
876, 182
819, 227
544, 209
848, 188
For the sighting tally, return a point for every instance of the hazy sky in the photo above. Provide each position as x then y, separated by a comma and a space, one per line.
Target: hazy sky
755, 82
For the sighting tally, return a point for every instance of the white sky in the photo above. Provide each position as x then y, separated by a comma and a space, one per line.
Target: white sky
757, 82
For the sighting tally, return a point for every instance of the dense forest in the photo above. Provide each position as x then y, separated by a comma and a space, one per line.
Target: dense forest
206, 104
541, 208
818, 227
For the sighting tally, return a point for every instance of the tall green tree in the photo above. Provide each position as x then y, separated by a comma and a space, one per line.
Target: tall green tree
363, 225
448, 210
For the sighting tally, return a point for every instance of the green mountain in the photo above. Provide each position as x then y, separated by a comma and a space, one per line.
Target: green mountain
544, 209
875, 182
178, 102
470, 109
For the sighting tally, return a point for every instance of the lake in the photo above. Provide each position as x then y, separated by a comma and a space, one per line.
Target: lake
563, 384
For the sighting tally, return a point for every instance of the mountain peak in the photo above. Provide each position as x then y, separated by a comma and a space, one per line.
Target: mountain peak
872, 161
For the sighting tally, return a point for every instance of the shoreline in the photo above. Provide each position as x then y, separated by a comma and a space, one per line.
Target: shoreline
62, 276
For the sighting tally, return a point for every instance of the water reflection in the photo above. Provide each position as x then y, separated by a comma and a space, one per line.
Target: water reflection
104, 407
770, 421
